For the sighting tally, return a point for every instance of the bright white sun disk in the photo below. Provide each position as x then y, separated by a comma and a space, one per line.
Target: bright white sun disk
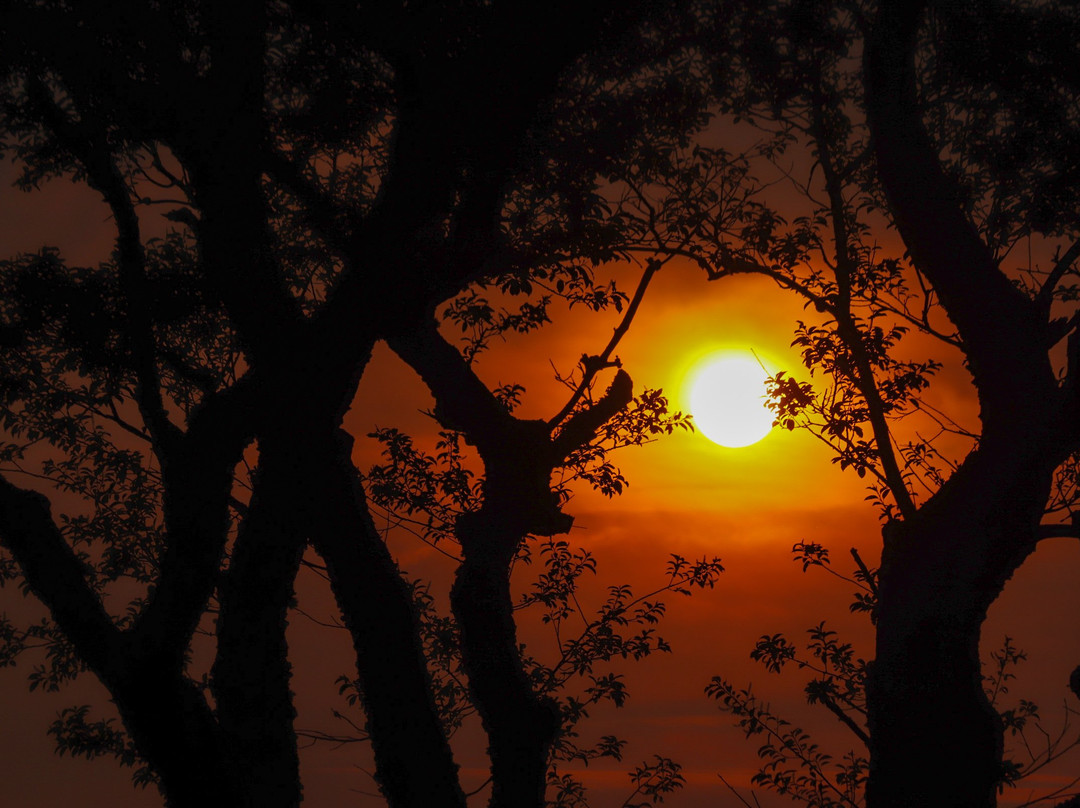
727, 399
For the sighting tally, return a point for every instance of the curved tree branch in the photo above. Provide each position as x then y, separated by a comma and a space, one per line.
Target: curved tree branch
1003, 337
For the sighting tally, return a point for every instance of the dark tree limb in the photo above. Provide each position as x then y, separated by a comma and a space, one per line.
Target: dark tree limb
943, 566
463, 402
224, 162
196, 499
518, 460
414, 764
519, 457
583, 424
251, 672
844, 718
652, 266
57, 577
521, 725
167, 716
197, 474
1000, 328
89, 145
1059, 532
845, 268
1045, 297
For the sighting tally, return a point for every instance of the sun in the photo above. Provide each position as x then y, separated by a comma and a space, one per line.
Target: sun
727, 400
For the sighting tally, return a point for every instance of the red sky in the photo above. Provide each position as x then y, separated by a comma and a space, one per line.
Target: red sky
686, 496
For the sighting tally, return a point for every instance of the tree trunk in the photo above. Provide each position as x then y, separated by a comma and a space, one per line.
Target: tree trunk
167, 717
521, 724
935, 739
251, 673
414, 764
174, 730
519, 456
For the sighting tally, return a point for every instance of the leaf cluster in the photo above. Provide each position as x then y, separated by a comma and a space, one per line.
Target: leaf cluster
78, 736
622, 627
796, 766
647, 418
426, 493
793, 765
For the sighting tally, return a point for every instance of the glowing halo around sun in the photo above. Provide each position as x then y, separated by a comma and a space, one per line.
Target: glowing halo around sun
727, 400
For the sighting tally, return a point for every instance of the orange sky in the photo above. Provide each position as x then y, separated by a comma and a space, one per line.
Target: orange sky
686, 495
749, 506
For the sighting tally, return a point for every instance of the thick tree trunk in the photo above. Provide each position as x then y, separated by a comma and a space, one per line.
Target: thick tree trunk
250, 677
414, 764
935, 739
519, 457
168, 719
174, 730
521, 724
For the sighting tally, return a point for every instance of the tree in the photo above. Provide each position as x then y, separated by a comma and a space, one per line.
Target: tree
801, 768
948, 151
335, 177
331, 177
944, 566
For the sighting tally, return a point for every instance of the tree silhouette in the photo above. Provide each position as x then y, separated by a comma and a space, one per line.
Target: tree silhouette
334, 178
935, 130
943, 566
796, 766
331, 176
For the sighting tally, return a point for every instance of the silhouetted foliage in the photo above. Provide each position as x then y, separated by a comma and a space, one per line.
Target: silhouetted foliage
293, 183
290, 184
795, 766
909, 120
426, 493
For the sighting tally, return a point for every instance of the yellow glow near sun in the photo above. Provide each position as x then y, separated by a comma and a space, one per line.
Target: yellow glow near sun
727, 400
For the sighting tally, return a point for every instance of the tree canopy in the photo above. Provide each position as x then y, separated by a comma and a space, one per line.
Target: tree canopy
332, 177
914, 122
291, 184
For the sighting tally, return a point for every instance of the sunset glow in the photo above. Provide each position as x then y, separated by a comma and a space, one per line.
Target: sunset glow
727, 400
522, 404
